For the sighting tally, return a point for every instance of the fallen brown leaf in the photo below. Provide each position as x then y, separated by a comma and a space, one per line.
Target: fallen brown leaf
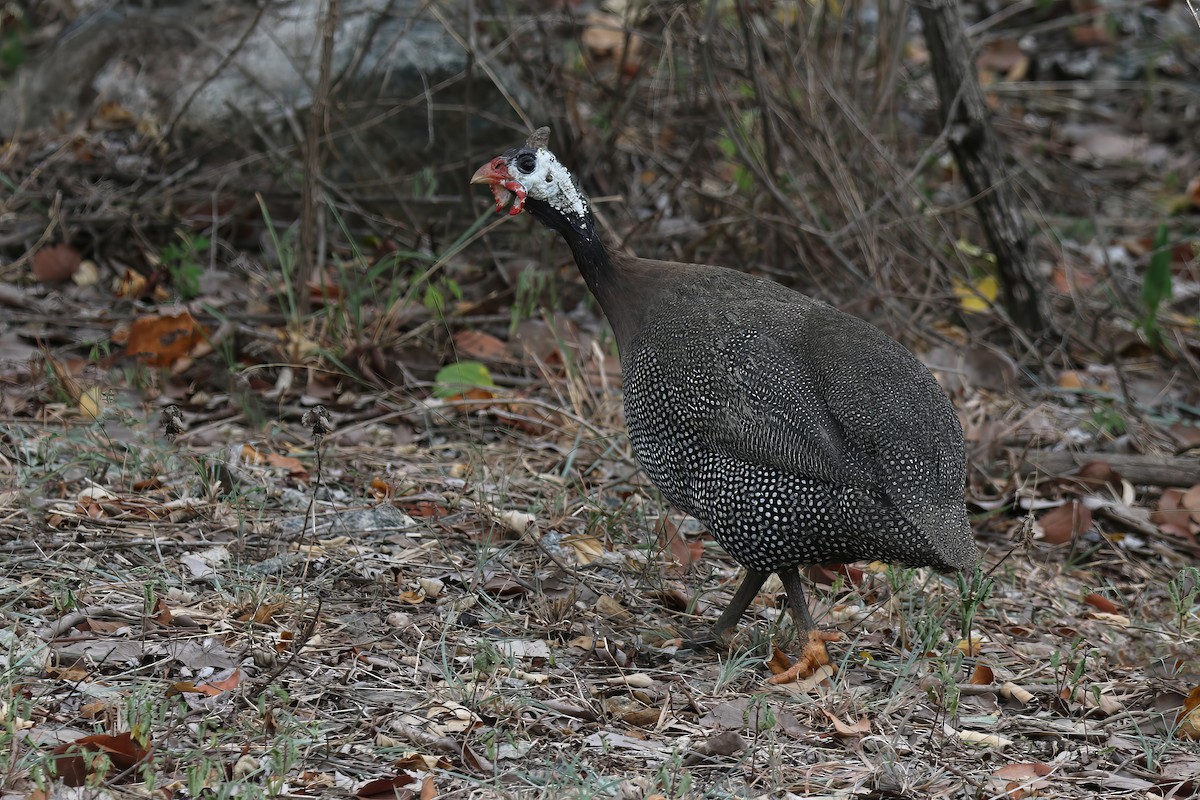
982, 675
858, 728
480, 346
123, 755
387, 788
163, 340
1189, 717
1062, 524
55, 264
1101, 603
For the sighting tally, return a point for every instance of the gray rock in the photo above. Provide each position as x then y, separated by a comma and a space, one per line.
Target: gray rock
220, 69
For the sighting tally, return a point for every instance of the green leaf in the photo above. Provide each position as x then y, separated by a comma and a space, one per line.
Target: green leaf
455, 379
1156, 286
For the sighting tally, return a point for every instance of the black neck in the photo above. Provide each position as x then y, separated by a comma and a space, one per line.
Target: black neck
591, 256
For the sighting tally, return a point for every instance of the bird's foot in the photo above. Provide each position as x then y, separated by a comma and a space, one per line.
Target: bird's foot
705, 641
812, 657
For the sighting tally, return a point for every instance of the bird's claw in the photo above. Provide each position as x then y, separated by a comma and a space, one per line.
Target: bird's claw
812, 657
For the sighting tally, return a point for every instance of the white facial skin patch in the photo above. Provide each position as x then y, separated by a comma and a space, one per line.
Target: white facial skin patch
550, 182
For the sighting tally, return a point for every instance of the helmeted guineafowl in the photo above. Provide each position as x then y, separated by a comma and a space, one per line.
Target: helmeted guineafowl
796, 433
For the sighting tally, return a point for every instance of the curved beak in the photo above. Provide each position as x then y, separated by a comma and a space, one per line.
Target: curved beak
493, 172
504, 188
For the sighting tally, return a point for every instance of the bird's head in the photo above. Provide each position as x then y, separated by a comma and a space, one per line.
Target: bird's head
531, 172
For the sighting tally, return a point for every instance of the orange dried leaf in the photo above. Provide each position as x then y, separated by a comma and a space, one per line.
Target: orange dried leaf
94, 710
1189, 718
163, 340
162, 613
1001, 55
778, 663
983, 675
380, 489
293, 465
1070, 379
112, 116
1102, 603
214, 688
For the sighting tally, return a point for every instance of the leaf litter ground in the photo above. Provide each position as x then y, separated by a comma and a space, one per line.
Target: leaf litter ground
478, 596
488, 611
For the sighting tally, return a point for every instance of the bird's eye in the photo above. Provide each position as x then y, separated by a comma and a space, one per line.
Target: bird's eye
526, 162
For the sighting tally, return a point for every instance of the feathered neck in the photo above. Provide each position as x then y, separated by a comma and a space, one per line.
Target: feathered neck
593, 258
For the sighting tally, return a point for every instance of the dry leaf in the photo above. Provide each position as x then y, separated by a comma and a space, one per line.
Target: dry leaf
982, 676
480, 346
112, 116
726, 743
55, 264
1022, 780
91, 403
387, 788
1101, 603
294, 466
1189, 717
610, 608
1070, 379
605, 37
969, 648
214, 688
1191, 502
778, 662
859, 728
587, 548
88, 274
637, 680
1022, 772
422, 761
163, 340
503, 584
380, 489
1000, 55
123, 755
131, 284
671, 541
983, 739
1062, 524
1022, 696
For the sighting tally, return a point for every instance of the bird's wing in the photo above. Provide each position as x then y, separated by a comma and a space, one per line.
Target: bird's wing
766, 408
837, 400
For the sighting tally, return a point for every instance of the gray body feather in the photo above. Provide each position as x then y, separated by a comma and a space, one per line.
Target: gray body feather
795, 432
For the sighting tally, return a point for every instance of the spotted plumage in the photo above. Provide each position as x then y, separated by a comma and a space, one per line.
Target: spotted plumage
796, 433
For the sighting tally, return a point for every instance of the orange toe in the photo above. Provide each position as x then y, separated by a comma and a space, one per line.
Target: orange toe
812, 657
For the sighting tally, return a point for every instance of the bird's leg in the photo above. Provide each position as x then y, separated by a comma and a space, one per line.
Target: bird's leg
742, 598
814, 655
745, 594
